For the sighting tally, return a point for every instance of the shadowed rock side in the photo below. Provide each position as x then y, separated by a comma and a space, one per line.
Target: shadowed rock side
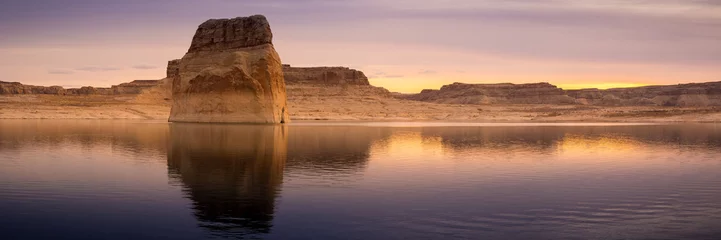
231, 173
231, 74
507, 93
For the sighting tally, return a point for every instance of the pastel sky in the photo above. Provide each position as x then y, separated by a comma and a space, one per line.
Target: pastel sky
403, 45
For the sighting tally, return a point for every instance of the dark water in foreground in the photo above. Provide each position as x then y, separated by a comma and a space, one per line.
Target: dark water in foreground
125, 180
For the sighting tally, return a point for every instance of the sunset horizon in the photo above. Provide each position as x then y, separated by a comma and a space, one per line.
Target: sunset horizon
401, 47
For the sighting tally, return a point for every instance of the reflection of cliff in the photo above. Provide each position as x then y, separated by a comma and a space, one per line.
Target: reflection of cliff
232, 173
142, 139
536, 138
549, 138
332, 149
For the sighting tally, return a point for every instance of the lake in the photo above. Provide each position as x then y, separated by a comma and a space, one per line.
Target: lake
154, 180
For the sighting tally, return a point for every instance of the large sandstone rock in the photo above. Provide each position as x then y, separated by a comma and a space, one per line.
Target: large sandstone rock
504, 93
230, 74
334, 76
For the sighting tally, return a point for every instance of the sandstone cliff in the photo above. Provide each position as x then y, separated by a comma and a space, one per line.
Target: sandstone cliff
231, 73
503, 93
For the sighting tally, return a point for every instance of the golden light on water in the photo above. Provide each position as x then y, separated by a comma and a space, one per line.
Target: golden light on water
616, 145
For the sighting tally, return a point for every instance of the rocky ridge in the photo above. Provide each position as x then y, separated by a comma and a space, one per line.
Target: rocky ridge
134, 87
503, 93
681, 95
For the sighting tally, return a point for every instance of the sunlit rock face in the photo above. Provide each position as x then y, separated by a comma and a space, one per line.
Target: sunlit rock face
230, 74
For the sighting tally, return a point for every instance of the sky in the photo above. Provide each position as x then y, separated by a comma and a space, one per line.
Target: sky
402, 45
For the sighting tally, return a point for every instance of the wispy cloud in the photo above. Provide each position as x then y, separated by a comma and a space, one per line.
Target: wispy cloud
427, 72
144, 67
60, 71
97, 69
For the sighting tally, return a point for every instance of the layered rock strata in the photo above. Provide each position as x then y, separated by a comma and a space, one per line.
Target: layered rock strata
230, 74
462, 93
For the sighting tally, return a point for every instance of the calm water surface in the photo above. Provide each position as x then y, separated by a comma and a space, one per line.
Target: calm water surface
144, 180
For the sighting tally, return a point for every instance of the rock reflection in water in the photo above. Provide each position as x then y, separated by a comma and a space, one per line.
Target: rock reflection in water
231, 173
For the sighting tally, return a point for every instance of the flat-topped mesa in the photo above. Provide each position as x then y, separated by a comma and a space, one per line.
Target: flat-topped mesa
324, 76
231, 34
502, 93
230, 74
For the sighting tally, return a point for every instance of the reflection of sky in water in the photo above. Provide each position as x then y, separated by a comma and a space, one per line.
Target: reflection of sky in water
124, 180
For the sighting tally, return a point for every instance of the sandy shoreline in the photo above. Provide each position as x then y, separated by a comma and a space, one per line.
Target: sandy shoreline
354, 108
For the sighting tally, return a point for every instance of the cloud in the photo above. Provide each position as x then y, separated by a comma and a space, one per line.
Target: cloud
144, 67
60, 71
384, 75
427, 72
97, 69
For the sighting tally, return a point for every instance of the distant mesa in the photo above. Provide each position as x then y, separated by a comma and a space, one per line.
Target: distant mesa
503, 93
324, 76
681, 95
230, 74
134, 87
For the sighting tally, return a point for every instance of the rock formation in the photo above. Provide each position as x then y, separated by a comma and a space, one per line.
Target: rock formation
503, 93
324, 76
231, 74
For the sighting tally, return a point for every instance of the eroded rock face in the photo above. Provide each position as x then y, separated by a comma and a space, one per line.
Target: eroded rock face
231, 74
324, 76
504, 93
